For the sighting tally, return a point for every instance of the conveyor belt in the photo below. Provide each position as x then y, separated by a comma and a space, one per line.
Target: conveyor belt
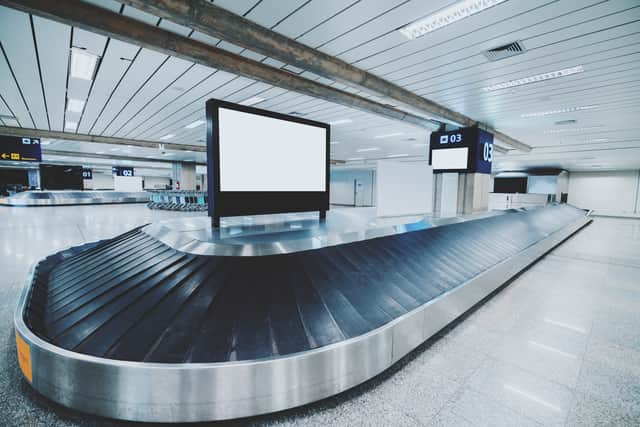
64, 198
135, 299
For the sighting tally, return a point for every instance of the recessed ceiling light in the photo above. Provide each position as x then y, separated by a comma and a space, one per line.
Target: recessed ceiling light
537, 78
447, 16
195, 124
252, 100
114, 149
559, 111
70, 125
46, 142
398, 155
573, 129
167, 136
340, 122
388, 135
83, 64
335, 142
100, 152
75, 105
363, 150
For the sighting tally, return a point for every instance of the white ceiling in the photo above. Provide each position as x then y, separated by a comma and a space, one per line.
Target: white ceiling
141, 94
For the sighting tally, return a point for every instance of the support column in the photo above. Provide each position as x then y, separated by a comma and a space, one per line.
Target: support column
184, 176
445, 202
34, 178
461, 194
473, 193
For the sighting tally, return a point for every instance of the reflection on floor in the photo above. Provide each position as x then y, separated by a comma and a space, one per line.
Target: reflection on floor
559, 346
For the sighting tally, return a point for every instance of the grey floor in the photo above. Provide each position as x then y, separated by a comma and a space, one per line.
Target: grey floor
559, 346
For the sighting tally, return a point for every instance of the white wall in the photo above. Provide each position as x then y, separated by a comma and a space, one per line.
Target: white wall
403, 188
608, 193
342, 187
542, 184
127, 183
155, 182
100, 181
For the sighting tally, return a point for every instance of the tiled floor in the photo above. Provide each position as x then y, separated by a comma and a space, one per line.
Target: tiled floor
559, 346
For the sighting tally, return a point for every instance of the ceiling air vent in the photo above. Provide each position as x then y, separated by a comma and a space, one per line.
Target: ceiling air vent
566, 122
505, 51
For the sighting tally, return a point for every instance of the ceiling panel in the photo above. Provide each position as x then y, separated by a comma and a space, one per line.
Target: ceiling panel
154, 95
111, 69
55, 40
144, 65
12, 97
179, 88
18, 46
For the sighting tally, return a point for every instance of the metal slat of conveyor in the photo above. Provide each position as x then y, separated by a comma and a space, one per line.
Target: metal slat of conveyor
119, 249
173, 345
157, 313
106, 327
87, 283
109, 293
351, 322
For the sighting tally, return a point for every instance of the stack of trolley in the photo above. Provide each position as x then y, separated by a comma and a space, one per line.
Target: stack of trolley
179, 200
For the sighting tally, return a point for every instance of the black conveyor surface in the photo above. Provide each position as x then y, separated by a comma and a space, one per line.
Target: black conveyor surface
134, 298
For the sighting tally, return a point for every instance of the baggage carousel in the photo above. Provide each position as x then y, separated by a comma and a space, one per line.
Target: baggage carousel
63, 198
177, 322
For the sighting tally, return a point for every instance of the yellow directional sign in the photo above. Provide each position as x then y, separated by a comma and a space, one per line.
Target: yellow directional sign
5, 155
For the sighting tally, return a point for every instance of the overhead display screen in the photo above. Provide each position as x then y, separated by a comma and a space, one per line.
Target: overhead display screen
21, 149
265, 154
122, 171
447, 148
450, 159
263, 162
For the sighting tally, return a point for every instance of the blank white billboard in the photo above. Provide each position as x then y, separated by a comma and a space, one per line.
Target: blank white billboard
259, 153
450, 158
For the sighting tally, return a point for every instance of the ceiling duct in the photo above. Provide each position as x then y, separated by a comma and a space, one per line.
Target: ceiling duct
505, 51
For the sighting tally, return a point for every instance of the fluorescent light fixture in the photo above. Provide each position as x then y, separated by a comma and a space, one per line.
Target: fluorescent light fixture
251, 101
167, 136
585, 141
551, 131
388, 135
75, 105
340, 122
100, 152
335, 142
70, 125
446, 16
45, 142
559, 111
83, 64
537, 78
114, 149
398, 155
353, 159
195, 124
363, 150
